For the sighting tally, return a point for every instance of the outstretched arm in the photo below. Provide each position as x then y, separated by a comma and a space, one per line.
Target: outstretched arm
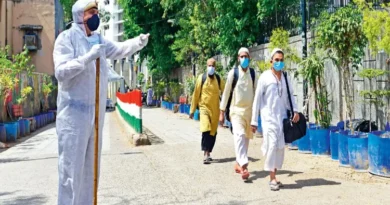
118, 50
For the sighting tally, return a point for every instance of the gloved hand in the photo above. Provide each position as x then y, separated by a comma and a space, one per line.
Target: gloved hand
95, 52
144, 39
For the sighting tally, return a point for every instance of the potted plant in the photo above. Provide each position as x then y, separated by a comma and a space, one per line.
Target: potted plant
10, 69
313, 71
159, 89
175, 88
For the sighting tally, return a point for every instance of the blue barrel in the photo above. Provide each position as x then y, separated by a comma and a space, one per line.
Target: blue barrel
259, 128
3, 133
319, 141
387, 128
334, 144
343, 148
27, 126
37, 122
292, 146
196, 115
182, 108
379, 154
12, 131
304, 143
358, 152
188, 109
21, 128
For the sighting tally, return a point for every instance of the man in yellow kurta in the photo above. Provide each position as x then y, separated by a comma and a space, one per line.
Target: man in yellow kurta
206, 97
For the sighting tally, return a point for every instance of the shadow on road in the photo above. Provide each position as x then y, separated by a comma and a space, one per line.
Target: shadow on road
263, 174
18, 200
233, 159
310, 182
10, 160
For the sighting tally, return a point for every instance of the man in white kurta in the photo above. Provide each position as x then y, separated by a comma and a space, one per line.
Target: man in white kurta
271, 99
240, 110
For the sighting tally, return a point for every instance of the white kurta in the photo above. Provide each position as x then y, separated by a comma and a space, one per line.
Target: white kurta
240, 111
271, 99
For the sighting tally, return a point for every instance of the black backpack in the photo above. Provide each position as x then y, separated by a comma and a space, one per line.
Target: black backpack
204, 77
234, 83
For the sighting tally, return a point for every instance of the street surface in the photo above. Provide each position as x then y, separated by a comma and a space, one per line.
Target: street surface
173, 172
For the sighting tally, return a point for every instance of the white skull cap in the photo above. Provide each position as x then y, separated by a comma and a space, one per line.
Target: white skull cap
275, 51
243, 49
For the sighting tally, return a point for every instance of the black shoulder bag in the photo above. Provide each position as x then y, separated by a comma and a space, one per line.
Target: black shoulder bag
293, 131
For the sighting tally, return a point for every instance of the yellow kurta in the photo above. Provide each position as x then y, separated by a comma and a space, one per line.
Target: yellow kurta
207, 97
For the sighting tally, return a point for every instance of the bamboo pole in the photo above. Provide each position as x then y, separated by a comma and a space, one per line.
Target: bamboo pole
96, 159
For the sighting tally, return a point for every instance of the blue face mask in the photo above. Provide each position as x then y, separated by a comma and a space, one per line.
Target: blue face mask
94, 39
210, 70
93, 22
244, 62
278, 66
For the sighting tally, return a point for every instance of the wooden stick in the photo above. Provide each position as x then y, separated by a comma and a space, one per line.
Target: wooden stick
96, 162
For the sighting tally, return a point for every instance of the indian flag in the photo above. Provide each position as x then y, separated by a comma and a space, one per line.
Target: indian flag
129, 106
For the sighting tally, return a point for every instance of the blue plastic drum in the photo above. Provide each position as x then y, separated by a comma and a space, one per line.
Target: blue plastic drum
379, 154
304, 143
358, 152
319, 141
196, 115
343, 149
334, 144
11, 129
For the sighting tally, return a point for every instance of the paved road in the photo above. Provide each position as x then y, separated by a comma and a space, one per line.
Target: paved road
173, 173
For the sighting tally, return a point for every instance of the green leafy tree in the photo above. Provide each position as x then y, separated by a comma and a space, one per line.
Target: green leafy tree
370, 96
147, 16
67, 6
312, 69
376, 25
342, 33
175, 88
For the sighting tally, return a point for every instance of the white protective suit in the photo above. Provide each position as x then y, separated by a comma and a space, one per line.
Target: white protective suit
74, 60
273, 109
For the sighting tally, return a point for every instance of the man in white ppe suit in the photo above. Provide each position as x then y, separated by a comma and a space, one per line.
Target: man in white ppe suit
75, 54
271, 99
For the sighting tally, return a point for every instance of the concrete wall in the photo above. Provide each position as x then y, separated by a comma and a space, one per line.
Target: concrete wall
35, 12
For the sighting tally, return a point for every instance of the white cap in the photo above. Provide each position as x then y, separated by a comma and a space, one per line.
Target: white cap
243, 49
275, 51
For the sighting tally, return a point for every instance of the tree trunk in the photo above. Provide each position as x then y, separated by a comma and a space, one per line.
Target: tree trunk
341, 104
348, 94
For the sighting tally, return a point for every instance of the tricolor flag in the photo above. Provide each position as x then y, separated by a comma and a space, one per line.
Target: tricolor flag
130, 107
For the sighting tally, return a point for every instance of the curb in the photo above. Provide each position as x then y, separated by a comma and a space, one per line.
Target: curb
132, 136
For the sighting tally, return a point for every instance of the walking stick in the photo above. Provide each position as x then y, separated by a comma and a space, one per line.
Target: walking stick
96, 162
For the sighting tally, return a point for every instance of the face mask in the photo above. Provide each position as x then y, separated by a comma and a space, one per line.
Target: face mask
93, 22
278, 66
93, 39
244, 62
210, 70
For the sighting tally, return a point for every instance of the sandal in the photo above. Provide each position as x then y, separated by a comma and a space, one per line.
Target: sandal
245, 174
274, 186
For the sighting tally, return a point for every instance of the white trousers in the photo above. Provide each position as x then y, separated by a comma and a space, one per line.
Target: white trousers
241, 142
274, 159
